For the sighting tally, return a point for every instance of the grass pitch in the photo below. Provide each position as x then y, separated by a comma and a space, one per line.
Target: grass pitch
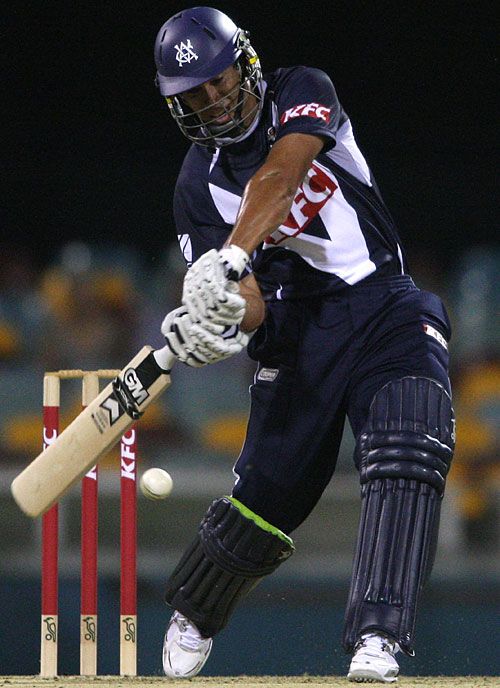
240, 682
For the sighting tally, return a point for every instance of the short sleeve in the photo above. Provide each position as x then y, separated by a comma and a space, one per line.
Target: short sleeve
307, 103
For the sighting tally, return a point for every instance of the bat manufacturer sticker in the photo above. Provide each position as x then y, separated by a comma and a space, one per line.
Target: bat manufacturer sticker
107, 414
135, 386
128, 393
113, 408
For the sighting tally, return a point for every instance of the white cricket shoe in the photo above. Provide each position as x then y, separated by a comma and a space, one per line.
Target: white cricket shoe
374, 660
185, 651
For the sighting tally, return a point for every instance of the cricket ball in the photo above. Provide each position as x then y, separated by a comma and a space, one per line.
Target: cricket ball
156, 483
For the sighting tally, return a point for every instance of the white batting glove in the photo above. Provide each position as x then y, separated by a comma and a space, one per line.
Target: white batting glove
211, 290
200, 344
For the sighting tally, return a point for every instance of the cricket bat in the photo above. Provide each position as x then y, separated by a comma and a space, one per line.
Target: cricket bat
92, 433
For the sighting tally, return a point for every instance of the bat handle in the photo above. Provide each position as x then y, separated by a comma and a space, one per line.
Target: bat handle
165, 358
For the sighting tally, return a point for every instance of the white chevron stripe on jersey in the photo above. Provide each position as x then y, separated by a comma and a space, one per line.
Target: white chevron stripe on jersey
345, 254
347, 154
227, 203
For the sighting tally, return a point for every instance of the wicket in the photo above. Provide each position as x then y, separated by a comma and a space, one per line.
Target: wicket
89, 542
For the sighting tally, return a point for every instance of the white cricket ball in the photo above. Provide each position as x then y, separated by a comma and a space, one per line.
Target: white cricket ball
156, 483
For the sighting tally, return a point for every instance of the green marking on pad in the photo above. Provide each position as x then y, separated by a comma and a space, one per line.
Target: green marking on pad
248, 513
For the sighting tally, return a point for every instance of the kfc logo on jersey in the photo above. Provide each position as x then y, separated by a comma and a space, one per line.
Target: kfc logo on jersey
306, 110
316, 190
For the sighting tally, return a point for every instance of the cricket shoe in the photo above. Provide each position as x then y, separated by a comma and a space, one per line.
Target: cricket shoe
374, 660
185, 651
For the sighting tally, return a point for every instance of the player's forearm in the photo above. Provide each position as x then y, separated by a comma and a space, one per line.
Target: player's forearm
254, 314
255, 309
264, 207
269, 194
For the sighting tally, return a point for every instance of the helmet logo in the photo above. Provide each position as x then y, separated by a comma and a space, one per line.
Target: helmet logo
185, 53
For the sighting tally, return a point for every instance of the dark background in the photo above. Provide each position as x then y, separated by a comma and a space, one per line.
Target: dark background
90, 151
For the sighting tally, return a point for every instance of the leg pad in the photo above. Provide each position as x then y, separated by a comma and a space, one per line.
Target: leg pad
409, 433
397, 533
403, 455
233, 550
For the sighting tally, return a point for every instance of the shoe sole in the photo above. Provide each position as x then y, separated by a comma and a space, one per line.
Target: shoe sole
366, 676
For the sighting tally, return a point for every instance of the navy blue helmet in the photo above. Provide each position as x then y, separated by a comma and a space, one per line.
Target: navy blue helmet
197, 45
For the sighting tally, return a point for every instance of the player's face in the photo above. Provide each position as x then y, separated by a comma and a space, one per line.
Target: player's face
216, 101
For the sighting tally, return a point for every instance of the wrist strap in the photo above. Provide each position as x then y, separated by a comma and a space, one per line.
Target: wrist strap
235, 260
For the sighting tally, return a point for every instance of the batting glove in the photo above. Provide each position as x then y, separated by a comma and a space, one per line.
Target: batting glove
200, 344
211, 290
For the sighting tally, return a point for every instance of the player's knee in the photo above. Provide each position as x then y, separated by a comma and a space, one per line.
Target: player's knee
409, 433
240, 541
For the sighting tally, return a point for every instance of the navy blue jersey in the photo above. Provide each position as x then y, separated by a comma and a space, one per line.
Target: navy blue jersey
338, 231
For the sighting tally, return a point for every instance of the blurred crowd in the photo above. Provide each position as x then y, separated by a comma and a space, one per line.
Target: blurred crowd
95, 307
474, 301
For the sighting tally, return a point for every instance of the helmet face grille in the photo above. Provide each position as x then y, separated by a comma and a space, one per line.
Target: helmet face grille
208, 132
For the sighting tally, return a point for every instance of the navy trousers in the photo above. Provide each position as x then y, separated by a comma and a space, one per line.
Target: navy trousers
321, 360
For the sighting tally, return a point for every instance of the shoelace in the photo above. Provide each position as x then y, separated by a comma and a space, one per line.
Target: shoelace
190, 639
377, 643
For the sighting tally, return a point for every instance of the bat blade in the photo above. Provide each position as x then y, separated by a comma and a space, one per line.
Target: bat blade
92, 433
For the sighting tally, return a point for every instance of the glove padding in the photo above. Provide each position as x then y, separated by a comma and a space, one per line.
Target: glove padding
211, 290
200, 343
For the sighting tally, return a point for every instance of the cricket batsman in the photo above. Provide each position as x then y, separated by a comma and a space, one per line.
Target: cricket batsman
293, 254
